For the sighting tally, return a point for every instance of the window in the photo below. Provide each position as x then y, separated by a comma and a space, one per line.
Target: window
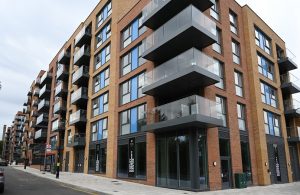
102, 57
268, 95
262, 41
265, 67
214, 10
103, 35
221, 109
100, 105
99, 130
132, 60
238, 80
101, 80
217, 47
53, 142
241, 117
132, 89
104, 14
220, 70
133, 31
233, 22
246, 161
236, 52
272, 123
132, 120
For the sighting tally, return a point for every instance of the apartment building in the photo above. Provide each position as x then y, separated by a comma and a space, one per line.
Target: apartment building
5, 146
177, 94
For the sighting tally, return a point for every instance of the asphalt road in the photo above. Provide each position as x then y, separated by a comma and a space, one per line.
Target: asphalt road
21, 183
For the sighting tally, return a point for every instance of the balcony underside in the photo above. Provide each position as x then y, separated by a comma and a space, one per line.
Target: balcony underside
290, 88
186, 38
293, 139
60, 110
45, 108
63, 76
195, 120
292, 113
47, 80
62, 93
84, 59
81, 102
181, 83
85, 39
82, 80
65, 59
45, 94
78, 122
286, 65
165, 12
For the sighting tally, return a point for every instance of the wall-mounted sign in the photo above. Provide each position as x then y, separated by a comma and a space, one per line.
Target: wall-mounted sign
131, 158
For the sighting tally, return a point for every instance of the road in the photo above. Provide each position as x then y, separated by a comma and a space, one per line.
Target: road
18, 183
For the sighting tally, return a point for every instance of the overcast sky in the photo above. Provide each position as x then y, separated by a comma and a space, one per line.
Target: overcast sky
32, 31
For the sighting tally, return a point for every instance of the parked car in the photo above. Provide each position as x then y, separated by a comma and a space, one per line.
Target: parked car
3, 162
2, 180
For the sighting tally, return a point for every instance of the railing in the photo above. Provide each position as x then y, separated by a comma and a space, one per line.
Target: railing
171, 27
58, 124
76, 140
37, 81
41, 118
60, 70
62, 54
289, 78
36, 91
40, 133
184, 107
45, 75
291, 104
151, 7
76, 116
83, 50
293, 132
82, 91
80, 72
81, 33
59, 105
43, 90
192, 57
43, 103
60, 87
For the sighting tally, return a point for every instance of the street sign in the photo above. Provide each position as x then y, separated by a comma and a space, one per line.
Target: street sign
48, 148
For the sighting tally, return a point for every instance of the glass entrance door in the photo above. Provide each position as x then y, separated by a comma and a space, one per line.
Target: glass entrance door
225, 172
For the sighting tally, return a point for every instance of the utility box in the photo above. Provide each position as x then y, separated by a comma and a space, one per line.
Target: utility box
240, 180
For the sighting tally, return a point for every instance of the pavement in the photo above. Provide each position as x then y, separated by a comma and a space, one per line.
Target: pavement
119, 187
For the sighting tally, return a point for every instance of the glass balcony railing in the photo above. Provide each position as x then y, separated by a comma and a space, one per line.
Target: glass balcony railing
170, 28
76, 140
42, 118
84, 50
45, 76
61, 70
42, 133
36, 91
85, 31
44, 90
78, 116
152, 6
62, 56
60, 88
58, 124
79, 93
43, 103
83, 70
192, 57
193, 105
290, 78
291, 104
59, 106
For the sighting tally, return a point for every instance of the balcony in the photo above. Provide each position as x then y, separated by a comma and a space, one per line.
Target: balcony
37, 82
40, 134
290, 84
62, 72
35, 103
32, 124
45, 91
43, 105
82, 56
61, 89
58, 125
189, 71
80, 97
36, 92
46, 78
60, 107
190, 28
286, 64
83, 37
194, 111
81, 76
64, 57
78, 118
42, 120
76, 140
157, 12
293, 134
34, 113
292, 108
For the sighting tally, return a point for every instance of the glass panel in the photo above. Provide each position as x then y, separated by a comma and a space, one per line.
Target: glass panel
172, 162
184, 163
161, 162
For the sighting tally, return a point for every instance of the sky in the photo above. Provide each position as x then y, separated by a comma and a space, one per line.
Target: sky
32, 31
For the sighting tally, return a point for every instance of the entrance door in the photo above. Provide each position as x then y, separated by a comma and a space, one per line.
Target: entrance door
225, 172
79, 161
294, 163
67, 161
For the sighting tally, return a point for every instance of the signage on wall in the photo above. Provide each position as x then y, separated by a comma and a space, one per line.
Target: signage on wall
97, 158
131, 158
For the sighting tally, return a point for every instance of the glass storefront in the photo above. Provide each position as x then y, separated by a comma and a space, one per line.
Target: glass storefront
246, 161
97, 159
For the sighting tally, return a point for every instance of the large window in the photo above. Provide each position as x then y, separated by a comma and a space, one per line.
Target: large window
132, 89
99, 130
246, 161
220, 70
102, 57
100, 105
214, 10
132, 120
218, 45
272, 123
263, 41
132, 59
235, 52
221, 109
103, 35
238, 81
101, 80
241, 113
268, 95
124, 156
133, 31
265, 67
104, 14
233, 22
